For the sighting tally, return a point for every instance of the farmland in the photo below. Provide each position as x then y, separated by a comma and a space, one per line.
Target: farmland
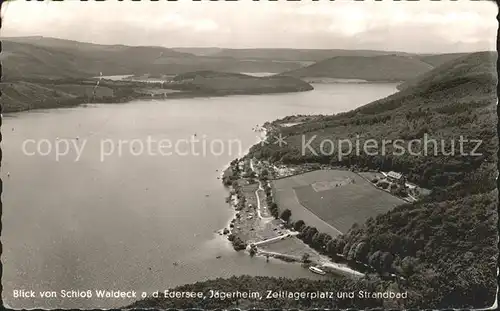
332, 200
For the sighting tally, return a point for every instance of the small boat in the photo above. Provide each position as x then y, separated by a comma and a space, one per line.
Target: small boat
317, 270
218, 257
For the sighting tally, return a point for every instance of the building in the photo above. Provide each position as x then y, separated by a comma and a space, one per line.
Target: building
396, 177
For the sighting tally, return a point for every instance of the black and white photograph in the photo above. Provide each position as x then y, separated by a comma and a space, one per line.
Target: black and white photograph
249, 154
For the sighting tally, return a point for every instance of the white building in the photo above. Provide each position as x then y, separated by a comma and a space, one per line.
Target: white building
394, 175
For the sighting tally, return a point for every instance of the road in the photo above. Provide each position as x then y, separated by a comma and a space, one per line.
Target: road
257, 194
259, 205
276, 239
322, 264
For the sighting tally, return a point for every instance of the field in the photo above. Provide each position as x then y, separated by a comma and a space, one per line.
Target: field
332, 200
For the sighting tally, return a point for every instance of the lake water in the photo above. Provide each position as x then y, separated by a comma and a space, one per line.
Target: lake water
121, 222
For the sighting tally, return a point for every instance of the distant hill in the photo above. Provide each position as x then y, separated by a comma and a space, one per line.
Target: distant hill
41, 57
439, 59
224, 83
284, 54
38, 57
369, 68
95, 49
45, 94
199, 51
461, 66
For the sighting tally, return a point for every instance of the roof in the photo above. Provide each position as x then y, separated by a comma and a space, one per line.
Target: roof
394, 175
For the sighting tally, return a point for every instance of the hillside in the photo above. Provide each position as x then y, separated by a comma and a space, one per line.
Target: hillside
312, 55
56, 58
224, 83
461, 66
264, 285
443, 249
55, 93
42, 57
446, 245
370, 68
436, 60
45, 94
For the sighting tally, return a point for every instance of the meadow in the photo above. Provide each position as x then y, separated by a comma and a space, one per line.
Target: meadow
332, 200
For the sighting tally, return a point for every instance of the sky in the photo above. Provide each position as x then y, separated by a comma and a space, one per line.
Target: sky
417, 26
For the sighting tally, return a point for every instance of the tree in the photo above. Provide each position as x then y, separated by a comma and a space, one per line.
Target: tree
331, 248
326, 239
273, 208
286, 214
409, 265
340, 243
298, 225
374, 260
303, 232
361, 252
308, 238
305, 258
319, 240
253, 250
386, 260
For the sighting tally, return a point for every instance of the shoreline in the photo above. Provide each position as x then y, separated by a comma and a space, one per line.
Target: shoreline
281, 230
72, 92
176, 95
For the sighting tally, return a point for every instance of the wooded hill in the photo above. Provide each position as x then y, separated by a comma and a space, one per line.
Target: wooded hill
446, 245
372, 68
42, 57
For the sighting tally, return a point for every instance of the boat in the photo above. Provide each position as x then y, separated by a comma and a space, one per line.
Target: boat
317, 270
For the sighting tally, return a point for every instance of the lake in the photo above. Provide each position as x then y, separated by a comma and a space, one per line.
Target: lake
121, 219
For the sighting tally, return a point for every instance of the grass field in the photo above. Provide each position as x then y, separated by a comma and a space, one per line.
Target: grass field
332, 200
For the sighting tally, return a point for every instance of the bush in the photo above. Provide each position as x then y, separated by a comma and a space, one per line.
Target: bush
238, 244
383, 184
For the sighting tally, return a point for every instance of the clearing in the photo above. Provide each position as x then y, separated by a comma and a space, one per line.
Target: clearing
332, 200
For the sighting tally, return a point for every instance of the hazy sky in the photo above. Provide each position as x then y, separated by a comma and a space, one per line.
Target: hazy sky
421, 26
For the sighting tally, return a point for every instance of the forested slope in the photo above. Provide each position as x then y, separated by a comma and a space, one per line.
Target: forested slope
445, 246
